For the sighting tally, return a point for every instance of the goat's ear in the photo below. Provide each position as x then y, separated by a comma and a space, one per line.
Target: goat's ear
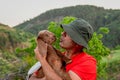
39, 41
38, 37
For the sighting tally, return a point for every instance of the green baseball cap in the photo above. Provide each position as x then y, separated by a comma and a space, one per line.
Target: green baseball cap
80, 31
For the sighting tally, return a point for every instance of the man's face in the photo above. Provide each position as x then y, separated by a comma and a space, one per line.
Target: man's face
66, 42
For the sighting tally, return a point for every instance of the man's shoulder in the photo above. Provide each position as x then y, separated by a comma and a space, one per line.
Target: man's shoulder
84, 58
89, 57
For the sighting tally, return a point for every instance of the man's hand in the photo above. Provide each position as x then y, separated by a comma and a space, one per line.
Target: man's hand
38, 55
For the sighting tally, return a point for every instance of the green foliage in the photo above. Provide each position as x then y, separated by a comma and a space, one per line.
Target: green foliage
104, 30
113, 70
68, 19
113, 65
117, 47
98, 50
10, 38
9, 56
27, 51
7, 60
27, 56
5, 67
96, 47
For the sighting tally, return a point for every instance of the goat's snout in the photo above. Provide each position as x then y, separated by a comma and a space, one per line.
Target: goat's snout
53, 38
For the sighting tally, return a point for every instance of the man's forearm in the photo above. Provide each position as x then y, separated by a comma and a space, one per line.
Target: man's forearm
48, 71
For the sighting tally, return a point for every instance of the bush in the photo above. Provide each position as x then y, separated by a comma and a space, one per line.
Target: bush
113, 70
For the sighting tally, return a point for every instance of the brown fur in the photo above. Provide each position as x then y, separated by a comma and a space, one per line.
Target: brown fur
54, 57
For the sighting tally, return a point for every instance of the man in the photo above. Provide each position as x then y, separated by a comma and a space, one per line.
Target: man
74, 38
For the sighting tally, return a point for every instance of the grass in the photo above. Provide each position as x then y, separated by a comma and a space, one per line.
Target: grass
114, 56
112, 65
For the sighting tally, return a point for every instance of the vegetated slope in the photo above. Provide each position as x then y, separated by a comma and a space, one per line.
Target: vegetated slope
96, 16
113, 65
11, 38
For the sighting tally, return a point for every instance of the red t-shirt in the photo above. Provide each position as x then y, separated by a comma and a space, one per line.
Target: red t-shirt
84, 66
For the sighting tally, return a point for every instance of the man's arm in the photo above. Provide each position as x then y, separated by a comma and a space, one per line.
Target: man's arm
50, 74
73, 75
48, 71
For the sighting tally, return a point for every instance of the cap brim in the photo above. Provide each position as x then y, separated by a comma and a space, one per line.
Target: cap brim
74, 35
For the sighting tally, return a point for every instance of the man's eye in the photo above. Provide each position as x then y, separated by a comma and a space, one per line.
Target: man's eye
64, 33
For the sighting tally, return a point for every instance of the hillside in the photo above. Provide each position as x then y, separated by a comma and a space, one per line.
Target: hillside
96, 16
11, 38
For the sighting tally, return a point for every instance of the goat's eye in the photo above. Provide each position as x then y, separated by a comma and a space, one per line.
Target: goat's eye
47, 35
